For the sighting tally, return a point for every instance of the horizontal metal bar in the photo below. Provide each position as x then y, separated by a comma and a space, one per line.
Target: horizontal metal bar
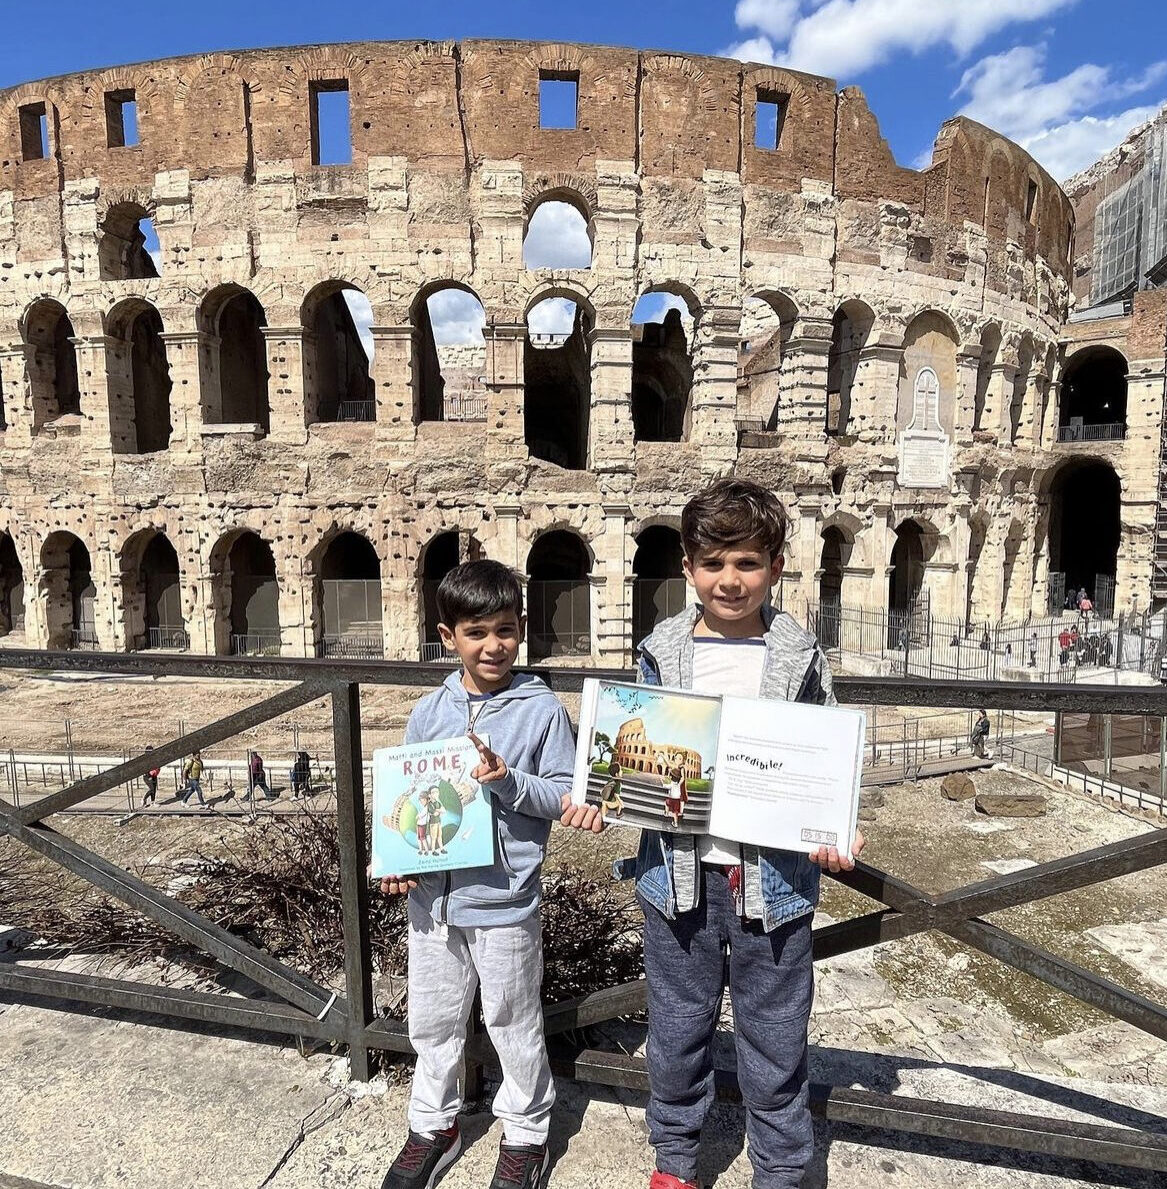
877, 691
611, 1003
388, 1034
205, 935
168, 752
858, 933
256, 1015
1064, 976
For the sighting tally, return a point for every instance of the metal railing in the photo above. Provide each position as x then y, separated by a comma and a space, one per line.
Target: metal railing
356, 410
434, 653
255, 643
1111, 431
300, 1006
461, 406
167, 637
351, 646
83, 639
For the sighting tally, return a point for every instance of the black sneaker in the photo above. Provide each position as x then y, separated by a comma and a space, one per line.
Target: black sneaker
520, 1166
423, 1160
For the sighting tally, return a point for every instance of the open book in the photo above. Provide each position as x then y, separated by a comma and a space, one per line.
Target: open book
428, 814
780, 775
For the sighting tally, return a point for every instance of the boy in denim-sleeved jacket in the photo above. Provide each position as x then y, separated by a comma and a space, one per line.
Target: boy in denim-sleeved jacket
704, 897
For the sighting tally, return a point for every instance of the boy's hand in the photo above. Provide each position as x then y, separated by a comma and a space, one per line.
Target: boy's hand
582, 817
830, 858
493, 766
397, 885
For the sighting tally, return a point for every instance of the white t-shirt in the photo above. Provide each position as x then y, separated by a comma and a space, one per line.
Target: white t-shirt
732, 667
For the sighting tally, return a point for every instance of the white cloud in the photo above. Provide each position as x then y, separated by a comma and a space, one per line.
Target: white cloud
843, 38
456, 316
362, 316
554, 315
557, 237
1049, 117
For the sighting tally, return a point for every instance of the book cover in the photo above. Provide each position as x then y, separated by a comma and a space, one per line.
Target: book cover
428, 812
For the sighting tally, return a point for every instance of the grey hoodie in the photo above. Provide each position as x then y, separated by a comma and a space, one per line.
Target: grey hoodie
530, 730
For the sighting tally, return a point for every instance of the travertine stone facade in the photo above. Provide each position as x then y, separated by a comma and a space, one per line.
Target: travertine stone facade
952, 283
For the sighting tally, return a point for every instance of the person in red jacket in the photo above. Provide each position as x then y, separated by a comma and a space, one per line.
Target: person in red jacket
150, 780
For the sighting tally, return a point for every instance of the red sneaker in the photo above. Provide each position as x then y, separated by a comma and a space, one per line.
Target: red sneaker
666, 1180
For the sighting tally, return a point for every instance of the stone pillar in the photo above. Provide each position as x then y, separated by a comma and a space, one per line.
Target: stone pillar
804, 562
505, 435
92, 381
15, 359
802, 412
881, 544
506, 536
612, 605
968, 362
187, 353
713, 402
393, 387
610, 428
400, 617
199, 609
285, 386
297, 628
874, 391
105, 574
999, 397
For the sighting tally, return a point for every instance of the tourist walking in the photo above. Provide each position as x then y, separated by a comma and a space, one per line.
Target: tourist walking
1033, 649
980, 733
150, 780
192, 774
257, 778
301, 774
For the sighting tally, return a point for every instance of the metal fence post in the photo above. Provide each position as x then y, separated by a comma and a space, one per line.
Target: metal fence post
354, 880
1107, 745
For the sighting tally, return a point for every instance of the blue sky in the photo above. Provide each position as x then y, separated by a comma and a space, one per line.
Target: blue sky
1067, 78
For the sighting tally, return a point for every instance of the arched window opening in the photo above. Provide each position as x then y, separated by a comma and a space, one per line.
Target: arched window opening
70, 596
139, 380
559, 620
907, 600
766, 327
127, 248
659, 589
977, 532
1093, 397
252, 597
558, 235
930, 342
235, 376
1085, 529
348, 597
338, 356
11, 587
449, 354
52, 370
836, 553
1012, 599
662, 368
442, 554
990, 347
1021, 382
152, 596
850, 329
558, 383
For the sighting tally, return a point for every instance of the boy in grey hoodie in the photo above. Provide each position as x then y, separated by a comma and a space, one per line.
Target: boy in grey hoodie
479, 928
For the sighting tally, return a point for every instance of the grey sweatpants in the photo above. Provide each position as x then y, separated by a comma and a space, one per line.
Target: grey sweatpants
771, 984
446, 965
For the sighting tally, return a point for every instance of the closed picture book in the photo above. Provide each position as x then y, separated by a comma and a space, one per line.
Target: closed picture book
429, 814
780, 775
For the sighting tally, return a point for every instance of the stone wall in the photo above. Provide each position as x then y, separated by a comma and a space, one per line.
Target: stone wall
448, 162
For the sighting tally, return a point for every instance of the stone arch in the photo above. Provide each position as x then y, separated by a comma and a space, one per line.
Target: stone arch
659, 589
66, 585
245, 595
557, 223
11, 586
559, 613
662, 364
53, 383
557, 381
440, 554
346, 596
1093, 395
233, 368
138, 376
338, 383
151, 592
1084, 528
851, 328
769, 317
912, 549
990, 348
448, 376
1021, 381
931, 340
123, 243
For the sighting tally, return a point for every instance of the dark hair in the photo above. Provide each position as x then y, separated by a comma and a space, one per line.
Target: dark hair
613, 769
476, 589
731, 512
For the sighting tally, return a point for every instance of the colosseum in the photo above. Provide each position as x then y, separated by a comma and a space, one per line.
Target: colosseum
205, 446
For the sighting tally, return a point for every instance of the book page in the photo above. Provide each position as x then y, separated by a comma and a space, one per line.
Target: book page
645, 755
429, 814
788, 774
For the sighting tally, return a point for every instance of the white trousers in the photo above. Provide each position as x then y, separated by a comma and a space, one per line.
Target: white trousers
446, 964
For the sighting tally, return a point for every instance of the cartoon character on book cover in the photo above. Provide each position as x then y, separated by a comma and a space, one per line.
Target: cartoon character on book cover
428, 813
647, 764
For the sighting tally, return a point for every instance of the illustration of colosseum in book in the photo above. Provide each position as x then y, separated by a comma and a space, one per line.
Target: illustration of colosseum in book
429, 814
773, 774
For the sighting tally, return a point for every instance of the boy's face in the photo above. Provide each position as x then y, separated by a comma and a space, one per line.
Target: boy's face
733, 583
487, 648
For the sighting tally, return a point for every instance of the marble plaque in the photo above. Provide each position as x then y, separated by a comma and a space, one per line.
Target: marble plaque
923, 458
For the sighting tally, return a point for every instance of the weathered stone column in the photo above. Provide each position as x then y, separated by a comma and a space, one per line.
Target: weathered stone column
186, 352
968, 362
805, 554
802, 412
505, 436
506, 537
285, 386
93, 384
873, 392
613, 608
610, 429
15, 359
714, 397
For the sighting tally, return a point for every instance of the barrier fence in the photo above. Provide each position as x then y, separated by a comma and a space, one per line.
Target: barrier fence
304, 1008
